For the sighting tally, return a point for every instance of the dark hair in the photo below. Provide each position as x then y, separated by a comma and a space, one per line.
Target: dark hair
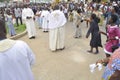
26, 5
8, 11
95, 18
56, 7
113, 18
79, 11
115, 8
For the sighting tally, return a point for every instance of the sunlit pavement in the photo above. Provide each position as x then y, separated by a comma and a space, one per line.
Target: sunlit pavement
72, 63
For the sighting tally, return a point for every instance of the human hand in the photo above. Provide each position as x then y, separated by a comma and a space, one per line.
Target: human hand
28, 17
85, 19
34, 18
99, 61
116, 37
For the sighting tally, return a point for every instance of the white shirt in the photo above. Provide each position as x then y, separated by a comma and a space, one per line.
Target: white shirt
27, 12
18, 12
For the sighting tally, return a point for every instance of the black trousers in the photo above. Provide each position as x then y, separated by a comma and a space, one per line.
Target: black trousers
20, 18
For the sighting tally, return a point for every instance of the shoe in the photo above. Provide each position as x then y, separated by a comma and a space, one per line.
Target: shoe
53, 50
33, 37
12, 35
62, 48
46, 31
76, 37
89, 51
96, 52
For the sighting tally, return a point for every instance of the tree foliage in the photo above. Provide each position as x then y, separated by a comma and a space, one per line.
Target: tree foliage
4, 0
1, 0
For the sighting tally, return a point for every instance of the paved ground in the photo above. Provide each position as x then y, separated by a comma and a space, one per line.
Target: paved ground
70, 64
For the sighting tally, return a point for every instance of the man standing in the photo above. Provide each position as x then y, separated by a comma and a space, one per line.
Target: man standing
45, 14
18, 15
28, 16
57, 21
16, 58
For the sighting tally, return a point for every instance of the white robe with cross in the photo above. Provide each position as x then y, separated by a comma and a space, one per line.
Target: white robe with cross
56, 24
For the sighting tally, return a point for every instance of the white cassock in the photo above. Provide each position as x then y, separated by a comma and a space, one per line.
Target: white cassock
45, 14
56, 24
16, 59
30, 25
37, 20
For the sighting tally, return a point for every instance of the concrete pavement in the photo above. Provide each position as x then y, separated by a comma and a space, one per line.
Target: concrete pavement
72, 63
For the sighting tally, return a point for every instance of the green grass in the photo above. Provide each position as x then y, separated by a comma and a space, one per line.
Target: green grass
18, 29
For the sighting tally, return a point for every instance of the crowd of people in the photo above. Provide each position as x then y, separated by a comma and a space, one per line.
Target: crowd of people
52, 18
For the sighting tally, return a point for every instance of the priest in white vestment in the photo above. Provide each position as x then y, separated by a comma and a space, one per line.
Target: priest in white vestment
57, 21
16, 59
27, 16
45, 14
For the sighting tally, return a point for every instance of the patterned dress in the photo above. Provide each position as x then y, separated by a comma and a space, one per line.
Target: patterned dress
113, 65
112, 32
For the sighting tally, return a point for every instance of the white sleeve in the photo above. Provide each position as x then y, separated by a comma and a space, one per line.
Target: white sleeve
23, 15
30, 55
31, 13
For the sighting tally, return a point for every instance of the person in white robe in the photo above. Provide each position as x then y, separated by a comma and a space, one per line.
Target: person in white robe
16, 59
28, 17
77, 21
37, 19
45, 14
40, 19
57, 21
